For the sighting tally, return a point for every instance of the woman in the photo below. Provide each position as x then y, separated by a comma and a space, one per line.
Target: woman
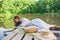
24, 22
21, 21
35, 25
32, 26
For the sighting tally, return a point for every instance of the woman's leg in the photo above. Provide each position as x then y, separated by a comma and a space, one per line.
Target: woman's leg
40, 23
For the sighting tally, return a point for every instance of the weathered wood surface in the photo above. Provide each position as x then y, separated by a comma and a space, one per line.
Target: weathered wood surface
17, 36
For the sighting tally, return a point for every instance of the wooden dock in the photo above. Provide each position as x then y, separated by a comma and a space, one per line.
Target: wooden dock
28, 36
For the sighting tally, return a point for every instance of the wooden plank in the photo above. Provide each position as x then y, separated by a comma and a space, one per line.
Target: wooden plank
29, 37
18, 37
49, 37
9, 36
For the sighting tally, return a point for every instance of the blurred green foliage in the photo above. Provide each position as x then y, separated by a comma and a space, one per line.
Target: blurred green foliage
29, 6
30, 9
6, 20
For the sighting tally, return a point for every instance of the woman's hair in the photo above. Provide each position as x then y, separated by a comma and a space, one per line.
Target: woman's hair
16, 17
18, 23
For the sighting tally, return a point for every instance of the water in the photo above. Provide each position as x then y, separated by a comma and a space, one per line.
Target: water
1, 33
58, 38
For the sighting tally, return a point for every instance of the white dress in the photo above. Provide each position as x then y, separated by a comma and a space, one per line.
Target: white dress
35, 22
25, 21
39, 23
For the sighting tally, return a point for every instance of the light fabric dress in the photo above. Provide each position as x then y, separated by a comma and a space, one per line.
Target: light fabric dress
25, 21
40, 23
35, 22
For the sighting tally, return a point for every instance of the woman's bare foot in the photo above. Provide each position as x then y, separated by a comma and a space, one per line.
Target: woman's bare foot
53, 27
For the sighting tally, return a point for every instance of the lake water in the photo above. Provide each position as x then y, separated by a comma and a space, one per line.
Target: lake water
2, 33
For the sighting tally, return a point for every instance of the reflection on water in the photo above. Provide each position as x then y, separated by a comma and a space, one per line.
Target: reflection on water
57, 35
58, 38
1, 33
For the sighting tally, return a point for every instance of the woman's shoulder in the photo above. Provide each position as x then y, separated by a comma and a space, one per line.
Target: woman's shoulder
25, 19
